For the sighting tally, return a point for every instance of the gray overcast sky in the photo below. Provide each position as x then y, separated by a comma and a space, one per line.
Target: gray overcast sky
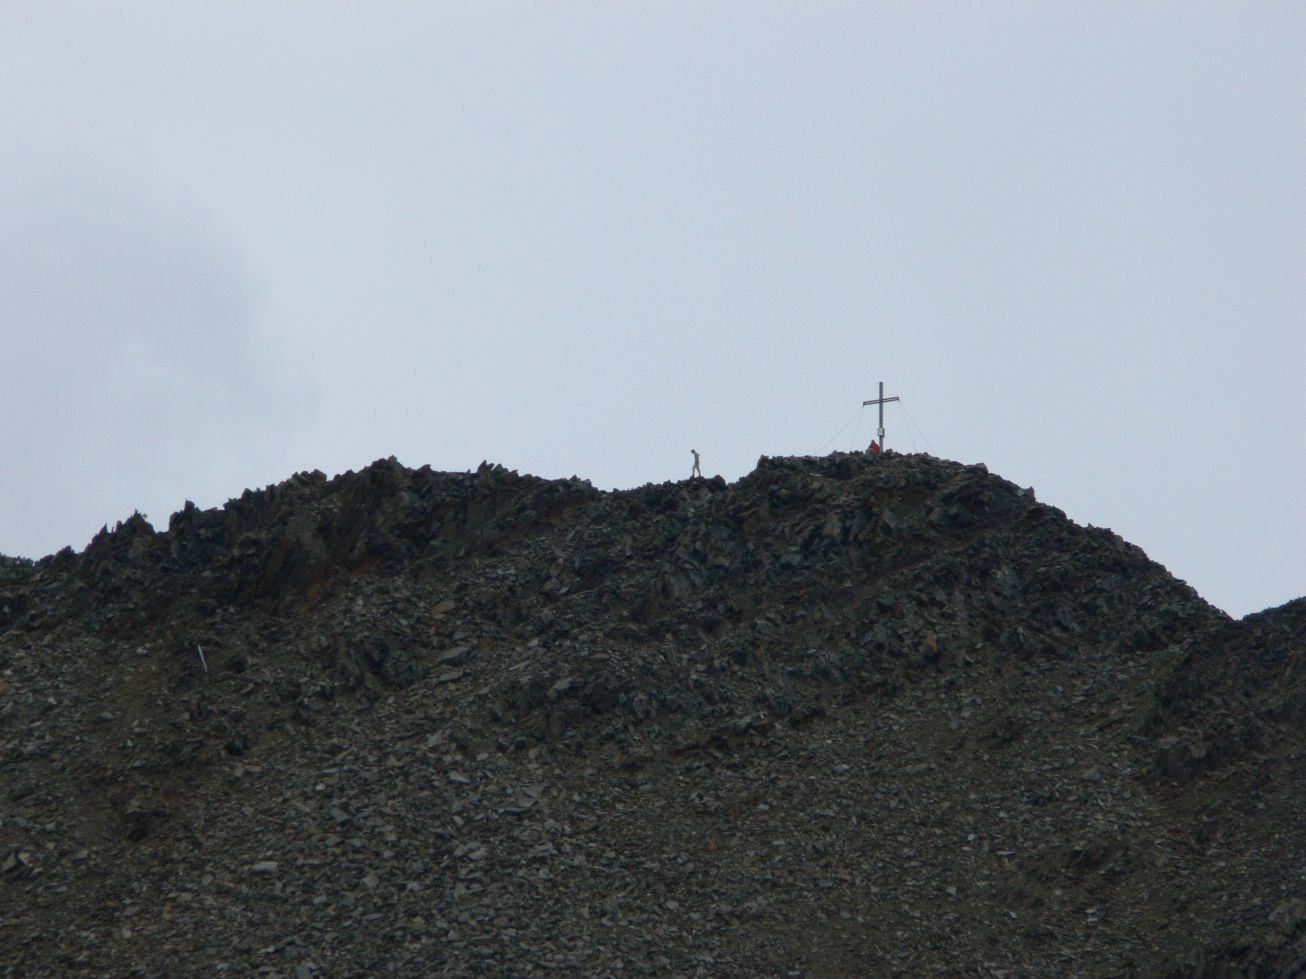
240, 240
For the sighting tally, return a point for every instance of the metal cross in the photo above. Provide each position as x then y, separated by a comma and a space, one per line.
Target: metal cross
881, 402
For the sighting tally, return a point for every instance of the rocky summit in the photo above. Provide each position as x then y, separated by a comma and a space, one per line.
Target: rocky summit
848, 716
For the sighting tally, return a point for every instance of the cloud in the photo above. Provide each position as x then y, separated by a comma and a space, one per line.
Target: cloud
137, 368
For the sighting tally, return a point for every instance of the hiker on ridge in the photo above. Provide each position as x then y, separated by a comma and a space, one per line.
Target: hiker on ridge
695, 471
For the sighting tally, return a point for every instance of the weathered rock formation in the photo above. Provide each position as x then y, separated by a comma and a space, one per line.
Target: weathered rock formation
846, 716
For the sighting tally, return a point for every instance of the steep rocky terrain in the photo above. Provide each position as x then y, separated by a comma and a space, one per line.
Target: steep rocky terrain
844, 717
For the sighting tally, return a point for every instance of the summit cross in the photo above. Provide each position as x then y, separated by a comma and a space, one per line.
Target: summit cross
881, 400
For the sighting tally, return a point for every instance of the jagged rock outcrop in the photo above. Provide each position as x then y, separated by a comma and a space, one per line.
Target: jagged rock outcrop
845, 716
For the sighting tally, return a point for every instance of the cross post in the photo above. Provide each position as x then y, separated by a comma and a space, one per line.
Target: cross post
881, 400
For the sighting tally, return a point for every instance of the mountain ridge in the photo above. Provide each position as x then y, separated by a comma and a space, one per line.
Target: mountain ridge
921, 633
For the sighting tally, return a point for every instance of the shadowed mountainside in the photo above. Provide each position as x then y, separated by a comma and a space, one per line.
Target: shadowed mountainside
846, 716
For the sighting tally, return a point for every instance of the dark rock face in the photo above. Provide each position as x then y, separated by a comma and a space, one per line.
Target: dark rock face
846, 716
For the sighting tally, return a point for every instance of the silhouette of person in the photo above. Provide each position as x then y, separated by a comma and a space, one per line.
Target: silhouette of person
695, 471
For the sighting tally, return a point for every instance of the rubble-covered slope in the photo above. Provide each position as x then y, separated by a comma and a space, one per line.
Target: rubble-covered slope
846, 716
